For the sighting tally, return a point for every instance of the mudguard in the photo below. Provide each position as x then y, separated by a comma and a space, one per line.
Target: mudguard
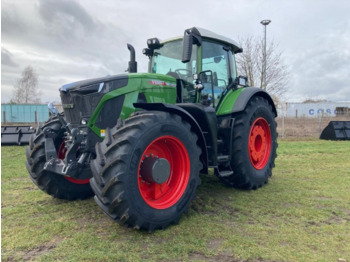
186, 116
236, 100
247, 94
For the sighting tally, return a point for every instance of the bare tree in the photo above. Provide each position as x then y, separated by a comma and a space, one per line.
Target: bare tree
250, 63
26, 88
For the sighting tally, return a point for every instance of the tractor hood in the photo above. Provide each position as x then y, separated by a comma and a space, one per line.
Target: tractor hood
79, 99
84, 99
110, 83
94, 85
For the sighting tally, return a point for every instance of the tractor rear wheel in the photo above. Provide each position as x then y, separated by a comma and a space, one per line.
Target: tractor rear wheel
53, 184
146, 172
254, 146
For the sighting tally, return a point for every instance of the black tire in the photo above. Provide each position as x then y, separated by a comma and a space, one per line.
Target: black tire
53, 184
117, 170
252, 162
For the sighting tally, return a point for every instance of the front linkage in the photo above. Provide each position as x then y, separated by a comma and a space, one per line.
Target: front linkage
56, 160
71, 160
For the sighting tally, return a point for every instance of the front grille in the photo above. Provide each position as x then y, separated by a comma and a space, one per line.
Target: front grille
77, 106
80, 99
71, 113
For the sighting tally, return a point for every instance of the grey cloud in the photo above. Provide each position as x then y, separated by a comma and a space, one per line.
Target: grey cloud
10, 20
62, 27
67, 29
63, 41
6, 58
71, 31
66, 15
322, 68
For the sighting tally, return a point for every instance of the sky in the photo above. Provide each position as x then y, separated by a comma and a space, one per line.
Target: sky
71, 40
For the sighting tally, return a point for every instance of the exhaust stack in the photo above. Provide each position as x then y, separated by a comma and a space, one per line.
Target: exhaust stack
132, 63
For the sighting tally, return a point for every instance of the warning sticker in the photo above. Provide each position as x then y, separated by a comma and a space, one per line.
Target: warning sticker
103, 132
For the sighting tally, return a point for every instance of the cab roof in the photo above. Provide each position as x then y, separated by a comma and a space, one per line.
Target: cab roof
207, 34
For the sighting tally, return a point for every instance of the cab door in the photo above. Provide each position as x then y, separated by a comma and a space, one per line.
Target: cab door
217, 65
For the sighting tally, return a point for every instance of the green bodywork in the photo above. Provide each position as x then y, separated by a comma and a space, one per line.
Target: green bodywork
156, 88
226, 105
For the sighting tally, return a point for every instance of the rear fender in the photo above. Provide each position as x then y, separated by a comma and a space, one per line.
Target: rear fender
247, 94
236, 100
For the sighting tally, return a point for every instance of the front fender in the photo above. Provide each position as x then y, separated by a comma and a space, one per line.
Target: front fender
174, 109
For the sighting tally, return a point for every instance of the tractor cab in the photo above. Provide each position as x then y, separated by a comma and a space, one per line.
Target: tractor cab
201, 61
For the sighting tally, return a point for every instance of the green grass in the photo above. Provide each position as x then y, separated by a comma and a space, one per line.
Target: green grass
303, 214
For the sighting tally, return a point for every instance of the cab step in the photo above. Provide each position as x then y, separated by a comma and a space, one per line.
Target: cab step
225, 173
223, 158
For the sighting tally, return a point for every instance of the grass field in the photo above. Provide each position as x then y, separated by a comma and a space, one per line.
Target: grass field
303, 214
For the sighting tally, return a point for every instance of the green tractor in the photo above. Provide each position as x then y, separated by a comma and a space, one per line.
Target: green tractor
138, 141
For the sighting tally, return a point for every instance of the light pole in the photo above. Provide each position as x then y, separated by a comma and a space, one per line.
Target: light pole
264, 23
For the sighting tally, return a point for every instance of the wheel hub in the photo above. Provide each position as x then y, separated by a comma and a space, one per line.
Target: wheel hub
155, 170
259, 143
164, 172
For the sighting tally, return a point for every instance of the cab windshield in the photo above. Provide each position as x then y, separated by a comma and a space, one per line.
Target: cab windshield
167, 61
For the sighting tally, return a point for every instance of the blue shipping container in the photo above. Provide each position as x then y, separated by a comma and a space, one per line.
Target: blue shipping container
14, 113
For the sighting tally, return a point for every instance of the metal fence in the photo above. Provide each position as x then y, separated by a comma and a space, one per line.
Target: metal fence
15, 113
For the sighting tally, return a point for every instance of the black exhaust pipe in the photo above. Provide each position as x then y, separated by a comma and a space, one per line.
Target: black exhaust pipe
132, 63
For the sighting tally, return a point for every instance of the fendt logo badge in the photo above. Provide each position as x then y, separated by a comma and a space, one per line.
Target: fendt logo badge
160, 83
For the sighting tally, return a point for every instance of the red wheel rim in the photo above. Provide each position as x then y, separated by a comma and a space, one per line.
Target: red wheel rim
61, 155
259, 144
165, 195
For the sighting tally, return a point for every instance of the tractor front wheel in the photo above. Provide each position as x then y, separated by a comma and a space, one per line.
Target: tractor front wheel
147, 171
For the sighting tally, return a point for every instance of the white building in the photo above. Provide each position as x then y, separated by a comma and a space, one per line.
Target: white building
311, 109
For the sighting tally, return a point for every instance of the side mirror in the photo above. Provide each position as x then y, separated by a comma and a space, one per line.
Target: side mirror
242, 81
187, 48
191, 36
